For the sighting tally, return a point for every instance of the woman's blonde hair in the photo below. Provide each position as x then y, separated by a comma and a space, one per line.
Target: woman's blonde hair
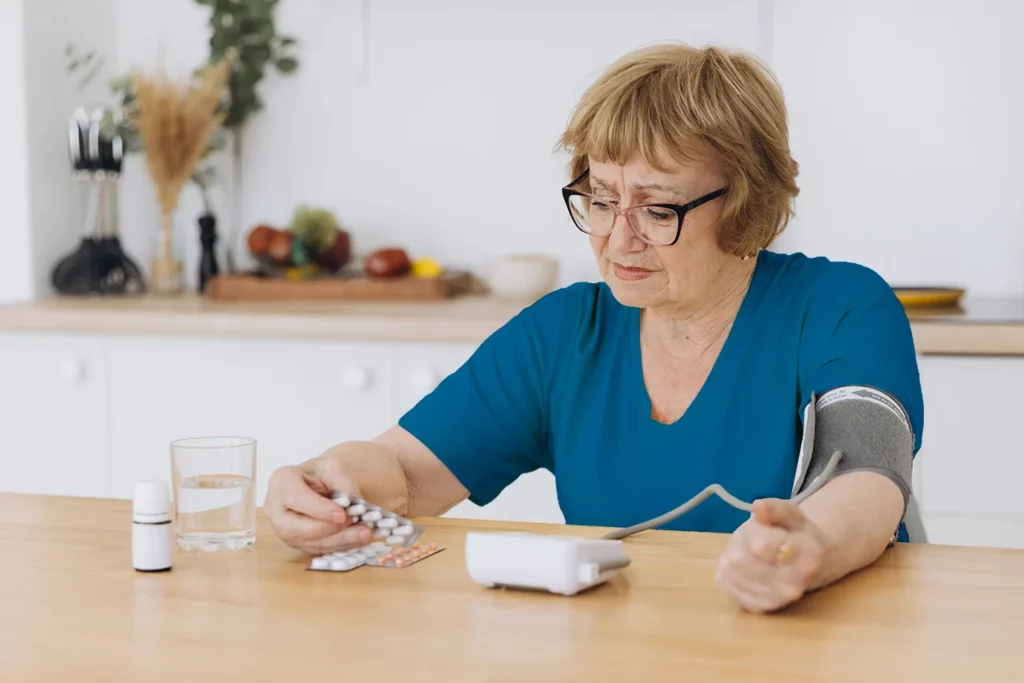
690, 104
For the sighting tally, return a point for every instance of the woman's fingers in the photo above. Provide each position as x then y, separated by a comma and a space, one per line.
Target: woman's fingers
754, 571
302, 499
298, 513
354, 536
765, 542
754, 596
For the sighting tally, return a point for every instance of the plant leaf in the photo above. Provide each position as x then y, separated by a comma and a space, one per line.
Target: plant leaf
287, 65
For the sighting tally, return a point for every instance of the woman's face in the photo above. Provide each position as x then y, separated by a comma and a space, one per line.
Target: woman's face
647, 276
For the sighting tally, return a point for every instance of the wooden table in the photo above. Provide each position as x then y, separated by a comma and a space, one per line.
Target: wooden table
73, 609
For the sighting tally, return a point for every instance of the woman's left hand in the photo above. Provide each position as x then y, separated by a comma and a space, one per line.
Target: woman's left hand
773, 558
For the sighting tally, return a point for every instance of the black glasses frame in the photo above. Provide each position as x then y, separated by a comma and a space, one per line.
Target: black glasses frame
680, 210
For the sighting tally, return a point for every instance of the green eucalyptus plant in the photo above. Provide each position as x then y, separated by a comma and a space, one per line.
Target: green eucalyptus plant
241, 31
245, 32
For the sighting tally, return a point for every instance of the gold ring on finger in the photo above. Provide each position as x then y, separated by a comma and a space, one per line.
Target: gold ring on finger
784, 552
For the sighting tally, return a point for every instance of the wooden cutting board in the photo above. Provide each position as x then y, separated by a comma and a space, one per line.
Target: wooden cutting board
353, 288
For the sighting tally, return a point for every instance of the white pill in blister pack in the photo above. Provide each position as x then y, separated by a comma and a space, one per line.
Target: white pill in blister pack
347, 560
386, 524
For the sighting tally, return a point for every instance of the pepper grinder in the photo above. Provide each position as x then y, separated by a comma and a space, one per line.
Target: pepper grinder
208, 266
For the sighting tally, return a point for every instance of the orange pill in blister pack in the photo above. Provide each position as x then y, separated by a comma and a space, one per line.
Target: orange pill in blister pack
399, 558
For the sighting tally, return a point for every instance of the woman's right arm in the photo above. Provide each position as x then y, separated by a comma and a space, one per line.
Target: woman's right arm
483, 426
395, 471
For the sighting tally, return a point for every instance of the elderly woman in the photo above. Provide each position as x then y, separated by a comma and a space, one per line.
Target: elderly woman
702, 357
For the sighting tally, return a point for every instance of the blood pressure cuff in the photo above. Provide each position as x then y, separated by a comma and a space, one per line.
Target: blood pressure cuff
869, 426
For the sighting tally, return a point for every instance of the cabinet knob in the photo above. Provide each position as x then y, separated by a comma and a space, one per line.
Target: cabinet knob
73, 370
425, 380
355, 378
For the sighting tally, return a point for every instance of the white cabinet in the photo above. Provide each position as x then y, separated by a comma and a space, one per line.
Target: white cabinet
969, 471
91, 415
418, 368
53, 417
295, 398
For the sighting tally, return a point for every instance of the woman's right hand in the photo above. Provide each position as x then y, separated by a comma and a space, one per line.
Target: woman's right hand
303, 515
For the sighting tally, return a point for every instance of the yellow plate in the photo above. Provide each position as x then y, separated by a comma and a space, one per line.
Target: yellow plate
928, 296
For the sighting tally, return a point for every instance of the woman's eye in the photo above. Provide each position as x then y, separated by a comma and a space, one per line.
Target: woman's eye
600, 206
660, 215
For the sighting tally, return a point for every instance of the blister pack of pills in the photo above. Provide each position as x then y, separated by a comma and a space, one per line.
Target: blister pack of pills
388, 527
396, 558
395, 548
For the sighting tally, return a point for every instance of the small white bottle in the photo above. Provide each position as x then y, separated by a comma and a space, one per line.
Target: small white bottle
152, 531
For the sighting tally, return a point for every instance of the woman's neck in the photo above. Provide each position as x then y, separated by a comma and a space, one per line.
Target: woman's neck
682, 330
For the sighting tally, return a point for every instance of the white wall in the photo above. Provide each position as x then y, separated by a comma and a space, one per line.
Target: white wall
906, 120
431, 125
15, 257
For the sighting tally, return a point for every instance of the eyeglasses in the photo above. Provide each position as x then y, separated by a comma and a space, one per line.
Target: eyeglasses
655, 224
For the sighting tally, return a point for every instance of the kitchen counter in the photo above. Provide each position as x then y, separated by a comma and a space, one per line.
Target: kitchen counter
468, 319
993, 327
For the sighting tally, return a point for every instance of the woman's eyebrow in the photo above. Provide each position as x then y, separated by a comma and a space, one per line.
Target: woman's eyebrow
656, 187
637, 187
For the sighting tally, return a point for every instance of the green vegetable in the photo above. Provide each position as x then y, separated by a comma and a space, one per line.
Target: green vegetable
317, 228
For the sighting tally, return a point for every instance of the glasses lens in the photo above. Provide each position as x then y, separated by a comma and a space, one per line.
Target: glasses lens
657, 225
591, 215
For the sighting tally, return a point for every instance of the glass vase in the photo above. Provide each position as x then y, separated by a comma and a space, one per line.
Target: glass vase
165, 270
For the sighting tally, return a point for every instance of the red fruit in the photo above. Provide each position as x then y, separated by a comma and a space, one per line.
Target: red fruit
280, 247
259, 239
339, 253
390, 262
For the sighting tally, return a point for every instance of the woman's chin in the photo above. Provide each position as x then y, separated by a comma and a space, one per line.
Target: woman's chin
634, 293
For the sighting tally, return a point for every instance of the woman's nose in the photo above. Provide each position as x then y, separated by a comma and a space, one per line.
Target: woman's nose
623, 238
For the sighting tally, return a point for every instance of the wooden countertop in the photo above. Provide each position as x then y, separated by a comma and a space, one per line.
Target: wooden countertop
73, 609
982, 327
464, 319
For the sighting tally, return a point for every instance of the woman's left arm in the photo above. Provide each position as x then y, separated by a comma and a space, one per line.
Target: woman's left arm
785, 549
856, 515
857, 358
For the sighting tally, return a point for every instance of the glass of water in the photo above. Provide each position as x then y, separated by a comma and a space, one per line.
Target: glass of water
214, 492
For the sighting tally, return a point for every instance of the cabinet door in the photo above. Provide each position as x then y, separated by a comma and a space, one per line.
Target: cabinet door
53, 418
296, 398
972, 457
417, 370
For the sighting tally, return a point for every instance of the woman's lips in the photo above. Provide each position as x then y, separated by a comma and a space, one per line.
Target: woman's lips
629, 273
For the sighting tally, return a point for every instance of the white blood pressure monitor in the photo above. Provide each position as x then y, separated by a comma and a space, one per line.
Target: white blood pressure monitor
557, 564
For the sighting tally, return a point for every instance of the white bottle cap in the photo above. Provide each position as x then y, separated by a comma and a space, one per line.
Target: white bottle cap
152, 497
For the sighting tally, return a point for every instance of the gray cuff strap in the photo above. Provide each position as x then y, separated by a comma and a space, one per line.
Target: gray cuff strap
871, 429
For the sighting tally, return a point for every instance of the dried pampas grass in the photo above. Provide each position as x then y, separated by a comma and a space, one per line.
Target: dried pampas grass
175, 123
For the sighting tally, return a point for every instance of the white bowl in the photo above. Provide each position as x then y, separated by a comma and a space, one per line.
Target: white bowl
522, 276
